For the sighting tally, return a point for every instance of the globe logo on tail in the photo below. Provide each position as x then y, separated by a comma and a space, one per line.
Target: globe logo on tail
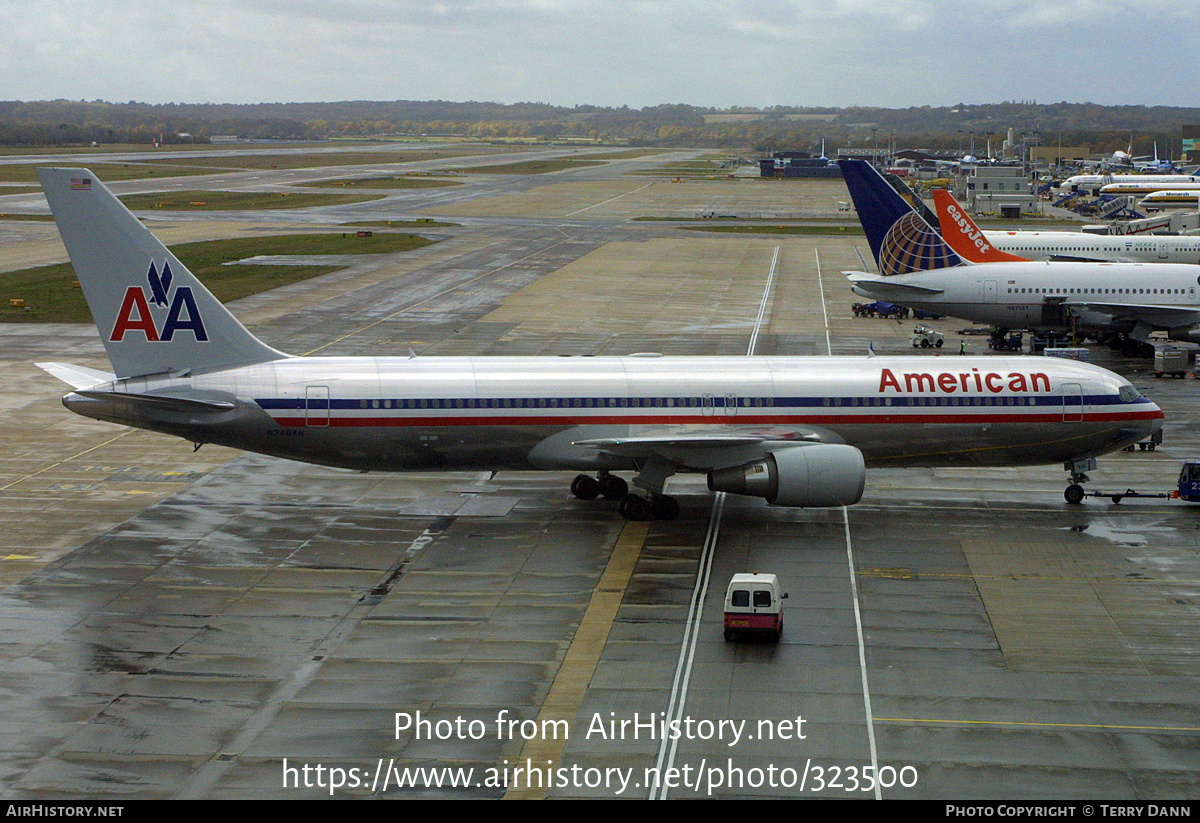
912, 245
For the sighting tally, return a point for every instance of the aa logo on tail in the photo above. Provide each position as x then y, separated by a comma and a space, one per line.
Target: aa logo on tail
135, 313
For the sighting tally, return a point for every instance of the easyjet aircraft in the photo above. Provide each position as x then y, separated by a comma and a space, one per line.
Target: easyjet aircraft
1063, 246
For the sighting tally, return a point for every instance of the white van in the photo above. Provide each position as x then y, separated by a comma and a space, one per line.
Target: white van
754, 605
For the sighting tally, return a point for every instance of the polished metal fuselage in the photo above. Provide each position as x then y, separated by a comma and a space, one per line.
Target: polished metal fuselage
490, 413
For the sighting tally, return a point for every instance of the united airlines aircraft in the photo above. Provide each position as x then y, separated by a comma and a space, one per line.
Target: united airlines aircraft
797, 431
1123, 302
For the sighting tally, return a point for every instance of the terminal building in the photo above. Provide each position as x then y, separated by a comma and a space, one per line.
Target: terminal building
1002, 190
797, 164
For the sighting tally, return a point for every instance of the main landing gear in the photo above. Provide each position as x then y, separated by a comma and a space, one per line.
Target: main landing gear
609, 486
657, 507
1074, 493
632, 506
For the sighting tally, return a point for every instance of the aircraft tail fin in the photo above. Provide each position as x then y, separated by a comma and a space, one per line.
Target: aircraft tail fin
966, 238
901, 240
152, 313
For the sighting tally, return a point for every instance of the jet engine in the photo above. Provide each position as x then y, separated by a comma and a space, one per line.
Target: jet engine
816, 476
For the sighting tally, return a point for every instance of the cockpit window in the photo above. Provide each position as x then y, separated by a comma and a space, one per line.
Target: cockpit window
1128, 394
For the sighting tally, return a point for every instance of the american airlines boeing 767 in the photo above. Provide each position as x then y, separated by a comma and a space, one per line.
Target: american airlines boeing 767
797, 431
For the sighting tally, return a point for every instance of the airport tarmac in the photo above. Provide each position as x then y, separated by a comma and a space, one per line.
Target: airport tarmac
212, 624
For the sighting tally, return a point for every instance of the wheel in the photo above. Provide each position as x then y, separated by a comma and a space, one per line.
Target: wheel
924, 344
613, 487
938, 344
915, 344
663, 507
1074, 494
728, 635
1151, 446
633, 507
585, 487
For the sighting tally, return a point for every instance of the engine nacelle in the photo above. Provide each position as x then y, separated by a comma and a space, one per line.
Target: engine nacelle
1190, 334
816, 476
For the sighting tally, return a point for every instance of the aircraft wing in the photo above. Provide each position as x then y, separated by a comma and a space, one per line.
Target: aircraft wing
702, 451
77, 377
1080, 258
1164, 317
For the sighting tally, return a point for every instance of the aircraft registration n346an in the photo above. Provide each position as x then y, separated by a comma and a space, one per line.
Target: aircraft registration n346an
796, 431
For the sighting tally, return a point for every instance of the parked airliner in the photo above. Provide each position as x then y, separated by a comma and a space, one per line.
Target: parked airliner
918, 268
1094, 181
797, 431
1142, 187
1072, 246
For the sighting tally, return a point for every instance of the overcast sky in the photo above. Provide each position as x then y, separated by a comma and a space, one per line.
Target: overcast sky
893, 53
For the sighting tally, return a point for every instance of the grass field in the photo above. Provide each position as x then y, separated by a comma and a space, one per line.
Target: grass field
845, 231
122, 148
421, 223
51, 296
533, 166
175, 163
402, 182
108, 172
237, 200
246, 162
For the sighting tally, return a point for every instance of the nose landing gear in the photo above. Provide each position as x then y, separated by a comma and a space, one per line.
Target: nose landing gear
1074, 493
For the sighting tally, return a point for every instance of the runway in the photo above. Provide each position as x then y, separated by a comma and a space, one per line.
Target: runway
220, 625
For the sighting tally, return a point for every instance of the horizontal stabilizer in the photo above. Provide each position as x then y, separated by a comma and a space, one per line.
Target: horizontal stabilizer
77, 377
888, 285
189, 405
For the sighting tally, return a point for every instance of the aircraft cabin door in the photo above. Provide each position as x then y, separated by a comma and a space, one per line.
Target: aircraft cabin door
1072, 403
316, 406
706, 405
1054, 312
1163, 252
989, 291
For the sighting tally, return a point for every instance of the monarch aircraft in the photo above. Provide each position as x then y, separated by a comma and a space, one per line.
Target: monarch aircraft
1120, 302
797, 431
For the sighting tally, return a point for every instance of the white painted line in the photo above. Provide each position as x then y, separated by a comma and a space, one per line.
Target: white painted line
609, 200
762, 307
862, 647
862, 655
687, 652
691, 630
824, 308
